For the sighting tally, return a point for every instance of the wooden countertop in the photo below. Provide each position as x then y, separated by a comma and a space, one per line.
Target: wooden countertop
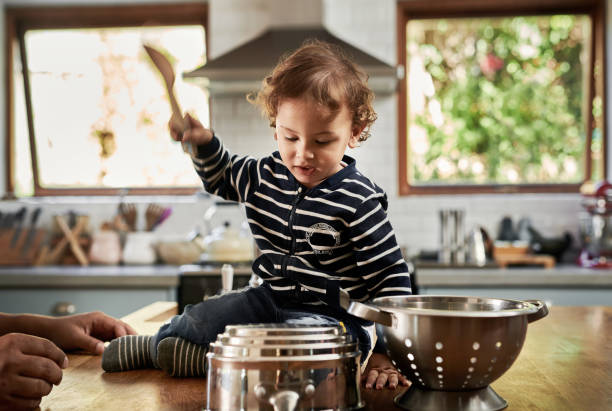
565, 364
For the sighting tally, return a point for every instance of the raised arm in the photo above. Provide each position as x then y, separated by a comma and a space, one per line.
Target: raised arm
228, 176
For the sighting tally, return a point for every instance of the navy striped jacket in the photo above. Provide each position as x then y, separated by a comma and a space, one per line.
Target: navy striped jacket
336, 233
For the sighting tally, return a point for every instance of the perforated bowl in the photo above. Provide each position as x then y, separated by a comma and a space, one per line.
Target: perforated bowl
453, 343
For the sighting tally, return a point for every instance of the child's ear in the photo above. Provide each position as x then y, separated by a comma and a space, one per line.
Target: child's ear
355, 135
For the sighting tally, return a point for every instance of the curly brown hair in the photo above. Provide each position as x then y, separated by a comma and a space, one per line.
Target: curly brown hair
322, 71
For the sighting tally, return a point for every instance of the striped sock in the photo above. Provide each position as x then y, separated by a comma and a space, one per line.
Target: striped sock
127, 353
181, 358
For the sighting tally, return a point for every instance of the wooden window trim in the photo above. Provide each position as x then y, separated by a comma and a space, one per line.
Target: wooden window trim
20, 19
421, 9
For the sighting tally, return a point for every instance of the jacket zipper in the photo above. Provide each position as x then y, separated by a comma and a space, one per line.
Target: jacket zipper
298, 198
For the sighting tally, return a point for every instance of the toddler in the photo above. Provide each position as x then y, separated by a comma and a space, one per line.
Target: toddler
320, 224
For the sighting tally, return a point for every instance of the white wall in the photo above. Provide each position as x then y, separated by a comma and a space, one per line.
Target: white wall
369, 24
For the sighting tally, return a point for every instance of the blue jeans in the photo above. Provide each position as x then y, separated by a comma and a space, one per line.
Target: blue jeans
201, 323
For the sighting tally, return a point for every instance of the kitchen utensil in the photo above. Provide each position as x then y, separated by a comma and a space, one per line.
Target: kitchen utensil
152, 214
444, 255
477, 252
451, 347
18, 222
129, 214
283, 367
167, 72
52, 256
72, 240
452, 236
155, 215
458, 246
163, 217
43, 253
5, 221
31, 231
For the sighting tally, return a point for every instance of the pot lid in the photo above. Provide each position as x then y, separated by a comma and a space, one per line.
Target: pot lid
271, 342
274, 329
268, 352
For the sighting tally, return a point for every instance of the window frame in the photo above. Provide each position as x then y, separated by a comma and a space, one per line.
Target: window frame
422, 9
20, 19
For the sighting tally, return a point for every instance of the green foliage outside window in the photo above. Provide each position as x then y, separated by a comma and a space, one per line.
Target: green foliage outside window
499, 100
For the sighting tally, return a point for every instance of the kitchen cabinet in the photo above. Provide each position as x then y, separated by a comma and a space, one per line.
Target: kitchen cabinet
562, 285
59, 290
121, 289
198, 282
116, 302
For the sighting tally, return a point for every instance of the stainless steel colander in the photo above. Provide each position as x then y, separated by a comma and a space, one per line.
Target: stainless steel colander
451, 347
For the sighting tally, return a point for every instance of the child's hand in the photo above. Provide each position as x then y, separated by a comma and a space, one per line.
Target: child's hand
380, 372
196, 133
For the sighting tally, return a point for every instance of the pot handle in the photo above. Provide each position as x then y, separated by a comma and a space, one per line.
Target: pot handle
285, 400
371, 313
541, 313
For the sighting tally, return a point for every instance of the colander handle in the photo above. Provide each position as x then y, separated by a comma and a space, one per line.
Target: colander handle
370, 313
541, 313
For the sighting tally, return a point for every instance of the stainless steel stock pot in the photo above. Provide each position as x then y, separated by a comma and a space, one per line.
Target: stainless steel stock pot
283, 367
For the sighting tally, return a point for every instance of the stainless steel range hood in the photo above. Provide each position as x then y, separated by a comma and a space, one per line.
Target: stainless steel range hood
242, 69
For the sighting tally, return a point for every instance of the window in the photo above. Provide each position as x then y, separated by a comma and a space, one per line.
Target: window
88, 111
503, 96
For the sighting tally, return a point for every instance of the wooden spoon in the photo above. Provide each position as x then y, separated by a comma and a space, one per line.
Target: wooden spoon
167, 72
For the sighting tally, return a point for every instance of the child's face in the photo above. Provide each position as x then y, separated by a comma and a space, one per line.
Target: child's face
311, 141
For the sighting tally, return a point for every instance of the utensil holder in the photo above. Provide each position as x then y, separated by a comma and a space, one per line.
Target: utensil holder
14, 255
452, 236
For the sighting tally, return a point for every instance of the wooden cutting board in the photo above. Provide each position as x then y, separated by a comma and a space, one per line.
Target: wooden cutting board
548, 261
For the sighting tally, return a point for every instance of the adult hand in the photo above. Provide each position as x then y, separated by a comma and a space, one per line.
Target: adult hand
380, 372
86, 331
196, 133
29, 367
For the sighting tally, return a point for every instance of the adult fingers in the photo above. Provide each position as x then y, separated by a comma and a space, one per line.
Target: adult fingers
403, 380
88, 343
105, 327
17, 403
40, 367
371, 378
41, 347
122, 329
30, 388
